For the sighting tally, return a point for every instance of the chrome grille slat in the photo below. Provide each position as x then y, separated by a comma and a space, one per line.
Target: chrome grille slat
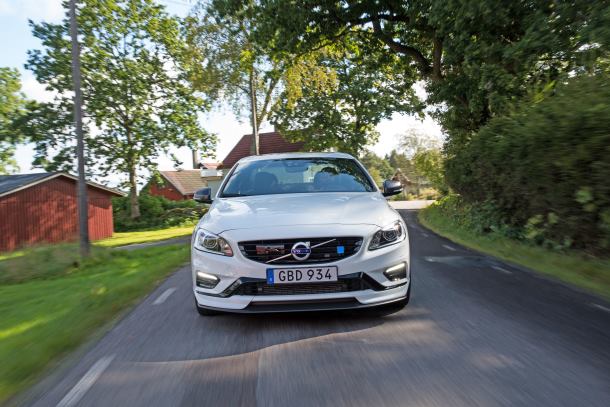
322, 254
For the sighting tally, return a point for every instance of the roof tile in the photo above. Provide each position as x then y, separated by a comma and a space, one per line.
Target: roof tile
270, 143
185, 181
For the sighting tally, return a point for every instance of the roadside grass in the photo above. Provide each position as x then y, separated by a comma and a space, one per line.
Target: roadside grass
117, 239
44, 262
125, 238
62, 304
589, 273
9, 255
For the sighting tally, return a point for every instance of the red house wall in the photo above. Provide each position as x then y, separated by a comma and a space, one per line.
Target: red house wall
46, 213
168, 191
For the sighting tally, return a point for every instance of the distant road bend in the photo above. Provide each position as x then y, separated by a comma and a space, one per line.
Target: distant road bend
478, 332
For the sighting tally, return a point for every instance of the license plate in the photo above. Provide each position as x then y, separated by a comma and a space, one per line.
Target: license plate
302, 275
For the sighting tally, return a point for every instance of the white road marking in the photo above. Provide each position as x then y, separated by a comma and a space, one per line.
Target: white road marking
84, 384
430, 259
446, 246
164, 296
503, 270
601, 307
425, 235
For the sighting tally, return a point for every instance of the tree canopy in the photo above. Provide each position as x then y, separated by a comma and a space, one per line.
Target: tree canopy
335, 97
476, 57
137, 101
227, 65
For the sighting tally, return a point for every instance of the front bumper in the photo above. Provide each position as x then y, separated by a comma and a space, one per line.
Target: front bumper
369, 266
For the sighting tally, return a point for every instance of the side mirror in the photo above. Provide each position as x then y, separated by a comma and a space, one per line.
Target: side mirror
203, 195
391, 187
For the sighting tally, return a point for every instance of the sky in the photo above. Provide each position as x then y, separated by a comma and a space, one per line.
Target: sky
17, 39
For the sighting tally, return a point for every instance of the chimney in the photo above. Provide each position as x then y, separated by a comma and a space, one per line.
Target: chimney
195, 160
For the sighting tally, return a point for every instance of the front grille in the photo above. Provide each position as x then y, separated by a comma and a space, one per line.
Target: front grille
338, 248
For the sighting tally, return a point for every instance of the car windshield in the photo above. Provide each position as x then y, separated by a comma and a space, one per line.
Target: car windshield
296, 175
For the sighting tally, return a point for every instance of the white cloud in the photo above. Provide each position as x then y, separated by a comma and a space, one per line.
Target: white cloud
47, 10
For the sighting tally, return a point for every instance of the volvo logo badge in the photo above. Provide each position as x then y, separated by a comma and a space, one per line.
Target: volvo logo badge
301, 251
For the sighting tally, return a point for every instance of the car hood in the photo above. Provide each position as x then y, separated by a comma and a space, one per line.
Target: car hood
264, 211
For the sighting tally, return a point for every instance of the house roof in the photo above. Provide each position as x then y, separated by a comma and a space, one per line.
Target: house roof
269, 143
210, 165
185, 181
13, 183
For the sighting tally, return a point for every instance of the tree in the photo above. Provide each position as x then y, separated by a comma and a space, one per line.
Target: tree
475, 57
429, 163
12, 107
377, 165
414, 141
226, 64
349, 96
137, 102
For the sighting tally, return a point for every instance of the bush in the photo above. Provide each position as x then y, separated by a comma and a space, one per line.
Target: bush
155, 212
545, 169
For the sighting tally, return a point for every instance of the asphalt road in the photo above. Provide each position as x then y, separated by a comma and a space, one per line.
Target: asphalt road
478, 332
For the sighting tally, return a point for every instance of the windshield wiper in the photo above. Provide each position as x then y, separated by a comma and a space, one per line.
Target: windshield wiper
233, 195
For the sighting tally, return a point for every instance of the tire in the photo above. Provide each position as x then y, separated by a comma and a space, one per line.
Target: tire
205, 311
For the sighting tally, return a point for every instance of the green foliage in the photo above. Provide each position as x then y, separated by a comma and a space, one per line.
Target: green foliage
429, 163
137, 101
482, 219
225, 64
378, 165
413, 141
155, 212
461, 222
545, 168
12, 107
341, 108
475, 57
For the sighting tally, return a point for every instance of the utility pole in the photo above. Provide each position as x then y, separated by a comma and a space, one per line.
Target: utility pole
254, 148
83, 215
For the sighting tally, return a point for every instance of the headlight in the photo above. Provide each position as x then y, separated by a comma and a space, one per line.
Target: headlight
211, 243
387, 236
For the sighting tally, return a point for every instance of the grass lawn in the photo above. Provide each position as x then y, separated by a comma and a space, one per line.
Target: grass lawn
125, 238
588, 273
60, 306
9, 255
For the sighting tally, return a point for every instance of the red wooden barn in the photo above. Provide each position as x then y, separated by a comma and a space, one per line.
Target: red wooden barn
41, 208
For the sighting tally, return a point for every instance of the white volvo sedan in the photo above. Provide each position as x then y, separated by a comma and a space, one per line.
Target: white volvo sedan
299, 232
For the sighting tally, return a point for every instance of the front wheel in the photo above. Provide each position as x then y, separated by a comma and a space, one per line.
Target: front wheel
205, 311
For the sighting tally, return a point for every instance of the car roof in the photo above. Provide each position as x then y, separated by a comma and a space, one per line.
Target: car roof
283, 156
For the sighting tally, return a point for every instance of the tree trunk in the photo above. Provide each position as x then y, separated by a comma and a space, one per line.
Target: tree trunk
133, 194
254, 148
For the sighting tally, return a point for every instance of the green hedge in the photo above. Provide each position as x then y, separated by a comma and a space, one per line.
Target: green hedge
544, 172
155, 212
